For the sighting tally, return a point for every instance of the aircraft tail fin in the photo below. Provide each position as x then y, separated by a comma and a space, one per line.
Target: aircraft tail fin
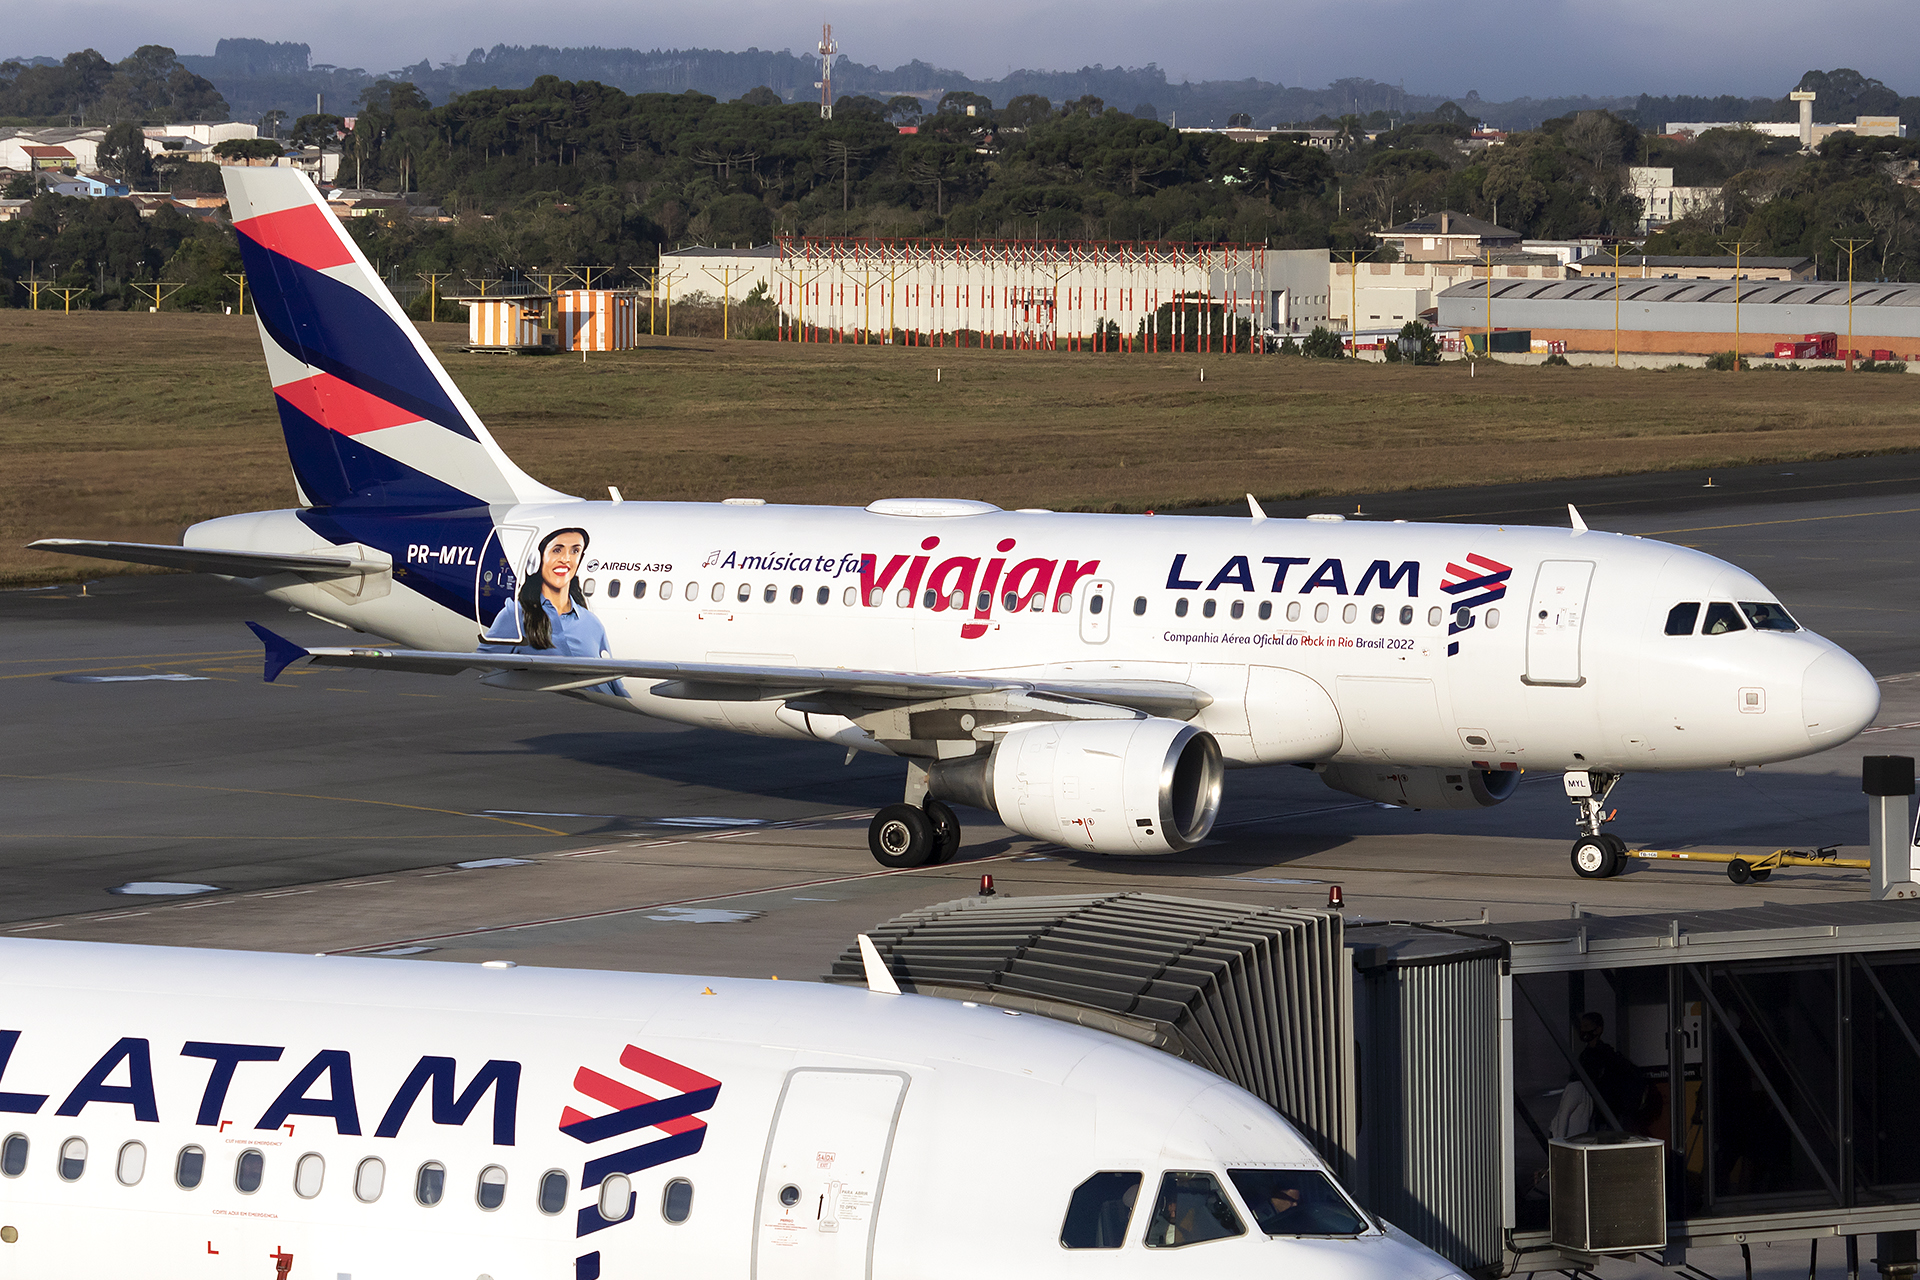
371, 418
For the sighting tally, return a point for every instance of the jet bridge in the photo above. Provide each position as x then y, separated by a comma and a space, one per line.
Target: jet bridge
1770, 1050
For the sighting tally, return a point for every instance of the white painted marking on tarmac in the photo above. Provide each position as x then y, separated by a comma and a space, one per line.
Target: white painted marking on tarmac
705, 915
1260, 880
163, 888
403, 951
170, 676
481, 864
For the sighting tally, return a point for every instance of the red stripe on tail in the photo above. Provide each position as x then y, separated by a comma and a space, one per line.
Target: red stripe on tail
341, 406
301, 233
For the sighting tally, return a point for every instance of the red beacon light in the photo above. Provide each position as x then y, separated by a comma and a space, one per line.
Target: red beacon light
1335, 902
986, 887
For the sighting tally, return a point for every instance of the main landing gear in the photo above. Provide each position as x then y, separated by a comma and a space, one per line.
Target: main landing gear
1597, 854
914, 835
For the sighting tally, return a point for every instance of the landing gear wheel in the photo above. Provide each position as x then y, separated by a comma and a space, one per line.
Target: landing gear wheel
1619, 845
1740, 871
1594, 857
902, 836
946, 832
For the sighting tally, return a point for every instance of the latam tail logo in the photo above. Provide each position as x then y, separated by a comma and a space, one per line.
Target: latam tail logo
669, 1117
1487, 577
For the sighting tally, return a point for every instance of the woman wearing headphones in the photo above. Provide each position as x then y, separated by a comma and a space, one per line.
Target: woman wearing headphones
549, 613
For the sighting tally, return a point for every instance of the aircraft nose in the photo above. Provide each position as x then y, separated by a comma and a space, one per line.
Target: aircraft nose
1838, 698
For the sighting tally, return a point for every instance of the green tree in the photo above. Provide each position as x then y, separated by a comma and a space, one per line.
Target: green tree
760, 97
122, 154
1323, 344
248, 149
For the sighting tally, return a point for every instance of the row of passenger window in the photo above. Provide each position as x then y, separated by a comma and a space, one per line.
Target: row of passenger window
1193, 1208
310, 1171
1723, 617
720, 593
1321, 612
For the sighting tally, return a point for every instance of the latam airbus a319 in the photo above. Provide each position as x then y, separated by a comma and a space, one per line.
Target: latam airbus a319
1088, 678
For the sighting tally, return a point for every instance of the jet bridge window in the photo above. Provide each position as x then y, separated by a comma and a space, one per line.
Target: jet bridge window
1191, 1209
1296, 1202
1681, 617
1768, 617
13, 1155
1722, 617
1098, 1214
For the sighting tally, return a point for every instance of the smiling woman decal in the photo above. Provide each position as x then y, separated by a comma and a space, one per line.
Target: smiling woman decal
549, 613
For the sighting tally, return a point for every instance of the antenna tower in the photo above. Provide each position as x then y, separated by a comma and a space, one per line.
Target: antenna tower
825, 83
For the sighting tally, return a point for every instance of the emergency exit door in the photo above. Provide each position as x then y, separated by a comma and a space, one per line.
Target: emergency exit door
825, 1170
1096, 610
502, 559
1553, 623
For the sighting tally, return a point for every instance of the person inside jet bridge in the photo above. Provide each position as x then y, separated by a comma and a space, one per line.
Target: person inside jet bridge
549, 613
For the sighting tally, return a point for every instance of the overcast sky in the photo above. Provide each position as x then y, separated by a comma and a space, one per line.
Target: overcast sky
1538, 50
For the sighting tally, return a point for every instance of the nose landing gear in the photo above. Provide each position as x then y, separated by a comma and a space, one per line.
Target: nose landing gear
1597, 854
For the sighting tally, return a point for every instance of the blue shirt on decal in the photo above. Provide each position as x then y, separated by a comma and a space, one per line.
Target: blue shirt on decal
576, 634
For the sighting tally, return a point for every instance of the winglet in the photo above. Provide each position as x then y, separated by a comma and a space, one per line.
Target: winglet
1573, 514
878, 979
1255, 509
281, 652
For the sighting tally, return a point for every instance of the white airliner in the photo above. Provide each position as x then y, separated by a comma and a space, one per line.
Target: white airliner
1086, 677
179, 1113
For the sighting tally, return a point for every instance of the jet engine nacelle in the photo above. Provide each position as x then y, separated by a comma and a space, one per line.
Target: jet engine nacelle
1103, 786
1428, 788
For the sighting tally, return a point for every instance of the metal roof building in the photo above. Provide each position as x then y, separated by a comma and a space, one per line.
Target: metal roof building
1691, 316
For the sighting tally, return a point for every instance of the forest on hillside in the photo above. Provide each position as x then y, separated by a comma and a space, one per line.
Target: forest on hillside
566, 173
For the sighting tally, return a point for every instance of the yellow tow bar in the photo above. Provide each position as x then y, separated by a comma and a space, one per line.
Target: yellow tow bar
1742, 869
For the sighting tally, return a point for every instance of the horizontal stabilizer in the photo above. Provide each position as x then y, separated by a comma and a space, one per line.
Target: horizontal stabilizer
234, 564
281, 652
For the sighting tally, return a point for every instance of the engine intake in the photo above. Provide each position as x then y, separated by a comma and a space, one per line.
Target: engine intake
1426, 788
1101, 786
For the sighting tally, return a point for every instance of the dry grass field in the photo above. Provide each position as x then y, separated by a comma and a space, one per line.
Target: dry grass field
133, 426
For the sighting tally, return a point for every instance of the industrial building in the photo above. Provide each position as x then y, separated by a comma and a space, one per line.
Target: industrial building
1640, 266
1447, 236
1379, 298
1068, 295
1692, 317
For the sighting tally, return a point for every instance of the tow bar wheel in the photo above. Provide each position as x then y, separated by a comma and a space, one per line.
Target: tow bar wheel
1595, 858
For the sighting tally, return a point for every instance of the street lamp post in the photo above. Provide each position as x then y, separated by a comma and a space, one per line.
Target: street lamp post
1851, 246
1737, 247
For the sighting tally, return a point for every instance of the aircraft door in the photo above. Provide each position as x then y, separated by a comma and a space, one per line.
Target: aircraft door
1553, 622
502, 560
1096, 610
826, 1167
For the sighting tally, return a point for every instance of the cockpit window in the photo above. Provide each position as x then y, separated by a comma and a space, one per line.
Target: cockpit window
1722, 617
1297, 1202
1766, 616
1191, 1209
1098, 1214
1681, 617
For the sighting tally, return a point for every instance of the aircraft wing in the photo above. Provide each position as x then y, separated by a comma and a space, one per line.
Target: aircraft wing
845, 689
236, 564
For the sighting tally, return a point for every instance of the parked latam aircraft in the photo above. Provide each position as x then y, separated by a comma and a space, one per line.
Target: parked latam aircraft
1086, 677
172, 1112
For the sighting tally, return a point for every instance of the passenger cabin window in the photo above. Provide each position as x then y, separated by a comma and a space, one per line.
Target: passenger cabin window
1347, 614
903, 599
616, 1197
1320, 612
1063, 603
1297, 1202
1379, 614
370, 1179
491, 1192
771, 594
1681, 617
73, 1159
1293, 611
666, 590
826, 593
430, 1183
1406, 615
553, 1191
132, 1164
1433, 616
247, 1171
1098, 1213
1722, 617
13, 1155
1191, 1209
745, 593
851, 597
309, 1175
1207, 607
719, 594
1139, 606
1096, 602
639, 588
1768, 617
1266, 610
613, 588
1180, 607
189, 1167
676, 1202
797, 594
1238, 609
1492, 617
